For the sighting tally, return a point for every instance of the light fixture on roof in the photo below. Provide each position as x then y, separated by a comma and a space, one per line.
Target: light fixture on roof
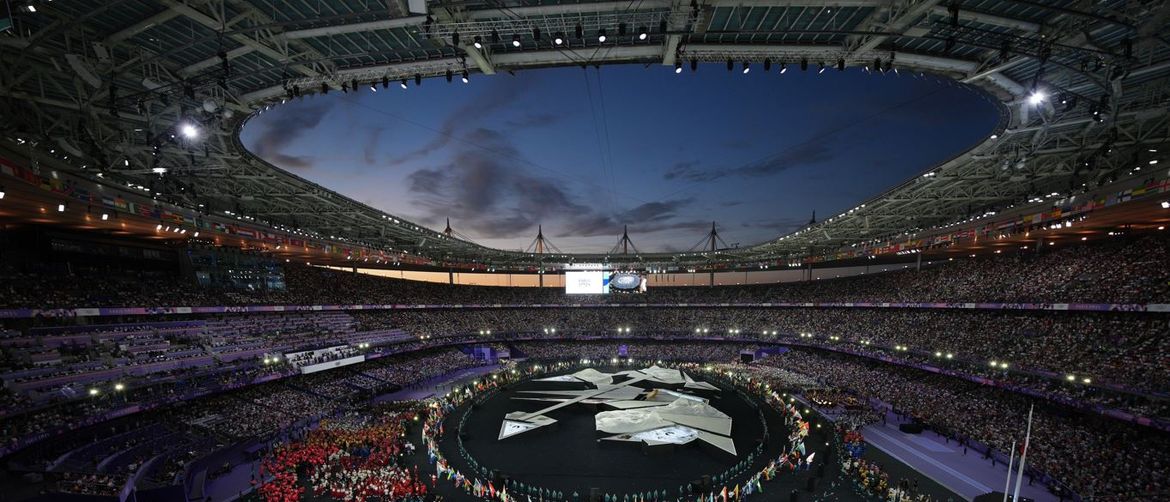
579, 31
515, 40
783, 67
466, 78
694, 64
536, 33
840, 64
373, 87
477, 42
601, 35
767, 64
455, 38
188, 130
677, 67
822, 70
1037, 97
746, 67
558, 38
158, 170
643, 33
61, 207
449, 74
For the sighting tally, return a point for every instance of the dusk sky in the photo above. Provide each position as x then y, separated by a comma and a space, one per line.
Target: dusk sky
583, 152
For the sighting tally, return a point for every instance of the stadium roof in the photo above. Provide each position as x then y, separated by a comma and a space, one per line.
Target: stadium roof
113, 87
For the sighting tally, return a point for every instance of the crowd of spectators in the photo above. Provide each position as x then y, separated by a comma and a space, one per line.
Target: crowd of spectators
1073, 357
100, 458
639, 351
1126, 269
59, 376
1099, 458
356, 457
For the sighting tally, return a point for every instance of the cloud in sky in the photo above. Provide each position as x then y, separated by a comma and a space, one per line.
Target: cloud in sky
805, 154
510, 152
467, 115
277, 135
497, 199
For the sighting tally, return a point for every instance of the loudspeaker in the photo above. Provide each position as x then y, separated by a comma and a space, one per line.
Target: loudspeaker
911, 428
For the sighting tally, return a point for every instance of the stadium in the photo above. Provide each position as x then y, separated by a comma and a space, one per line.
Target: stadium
411, 250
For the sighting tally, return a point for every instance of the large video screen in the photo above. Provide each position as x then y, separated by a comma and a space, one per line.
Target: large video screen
586, 282
626, 281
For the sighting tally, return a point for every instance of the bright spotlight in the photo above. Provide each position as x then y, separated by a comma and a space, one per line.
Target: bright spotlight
678, 67
559, 40
465, 78
601, 35
1037, 97
189, 130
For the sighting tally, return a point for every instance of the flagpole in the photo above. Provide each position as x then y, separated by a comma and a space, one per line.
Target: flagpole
1023, 455
1007, 483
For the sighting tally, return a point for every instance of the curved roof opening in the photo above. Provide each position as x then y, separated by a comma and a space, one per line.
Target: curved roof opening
583, 153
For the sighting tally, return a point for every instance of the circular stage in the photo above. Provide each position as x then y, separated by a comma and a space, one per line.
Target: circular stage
570, 454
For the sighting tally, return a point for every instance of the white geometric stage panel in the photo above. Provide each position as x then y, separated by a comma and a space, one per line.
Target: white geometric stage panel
653, 416
629, 405
722, 442
559, 378
693, 385
673, 434
511, 426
